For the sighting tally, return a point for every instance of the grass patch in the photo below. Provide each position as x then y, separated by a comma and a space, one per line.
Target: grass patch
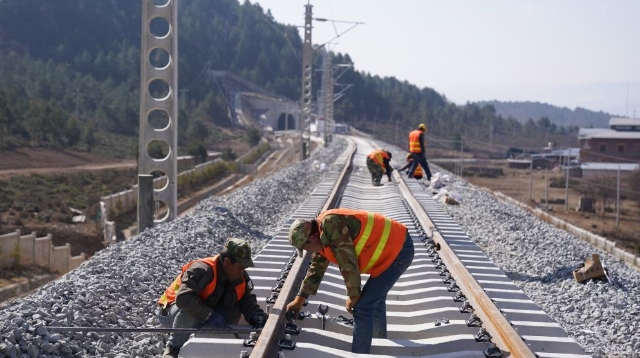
47, 198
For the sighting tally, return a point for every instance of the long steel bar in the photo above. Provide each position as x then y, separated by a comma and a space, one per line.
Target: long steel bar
227, 329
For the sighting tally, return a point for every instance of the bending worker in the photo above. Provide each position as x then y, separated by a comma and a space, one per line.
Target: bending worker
378, 164
416, 148
418, 173
210, 293
358, 242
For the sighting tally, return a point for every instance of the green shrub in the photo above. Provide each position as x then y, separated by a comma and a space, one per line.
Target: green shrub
16, 255
253, 136
193, 181
228, 154
256, 154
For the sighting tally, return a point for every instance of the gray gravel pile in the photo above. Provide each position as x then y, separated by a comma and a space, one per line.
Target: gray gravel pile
603, 317
120, 285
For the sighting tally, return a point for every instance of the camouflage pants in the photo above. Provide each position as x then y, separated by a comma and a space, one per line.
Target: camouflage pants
375, 170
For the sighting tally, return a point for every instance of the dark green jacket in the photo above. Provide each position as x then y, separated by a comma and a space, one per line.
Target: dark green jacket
223, 300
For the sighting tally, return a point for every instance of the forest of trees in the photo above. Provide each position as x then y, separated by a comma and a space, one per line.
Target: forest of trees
70, 71
560, 116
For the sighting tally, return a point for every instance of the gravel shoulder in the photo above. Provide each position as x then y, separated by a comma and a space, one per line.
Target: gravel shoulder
118, 287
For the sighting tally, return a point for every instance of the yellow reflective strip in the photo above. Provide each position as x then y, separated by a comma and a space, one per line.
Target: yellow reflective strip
365, 234
381, 245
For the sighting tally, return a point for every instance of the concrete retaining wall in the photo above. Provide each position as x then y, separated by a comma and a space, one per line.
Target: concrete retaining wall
128, 200
21, 288
39, 251
595, 240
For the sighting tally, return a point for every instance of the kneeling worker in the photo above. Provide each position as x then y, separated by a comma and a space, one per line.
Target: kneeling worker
378, 164
418, 173
210, 293
358, 242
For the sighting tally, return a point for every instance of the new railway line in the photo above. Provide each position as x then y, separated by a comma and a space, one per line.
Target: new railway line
451, 302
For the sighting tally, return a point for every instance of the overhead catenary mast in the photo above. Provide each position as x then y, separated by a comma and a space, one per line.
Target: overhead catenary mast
307, 71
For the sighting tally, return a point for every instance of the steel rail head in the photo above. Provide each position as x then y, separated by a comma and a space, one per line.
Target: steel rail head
503, 334
267, 344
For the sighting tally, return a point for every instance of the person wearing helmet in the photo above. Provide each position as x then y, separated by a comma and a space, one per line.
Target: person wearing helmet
358, 242
418, 173
416, 148
210, 293
378, 164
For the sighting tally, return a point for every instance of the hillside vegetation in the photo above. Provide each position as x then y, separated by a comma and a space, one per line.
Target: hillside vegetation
560, 116
69, 74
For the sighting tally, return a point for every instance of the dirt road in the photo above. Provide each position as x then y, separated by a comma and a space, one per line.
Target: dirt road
27, 161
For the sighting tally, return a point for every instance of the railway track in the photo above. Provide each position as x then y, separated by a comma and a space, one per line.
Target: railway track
451, 302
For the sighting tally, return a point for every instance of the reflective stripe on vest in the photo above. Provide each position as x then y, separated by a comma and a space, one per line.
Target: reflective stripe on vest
418, 172
171, 292
378, 157
414, 141
378, 243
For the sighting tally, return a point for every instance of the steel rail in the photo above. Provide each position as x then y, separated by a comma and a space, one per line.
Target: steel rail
228, 329
267, 344
503, 334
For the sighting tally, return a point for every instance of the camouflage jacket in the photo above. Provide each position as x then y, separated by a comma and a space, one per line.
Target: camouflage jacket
337, 233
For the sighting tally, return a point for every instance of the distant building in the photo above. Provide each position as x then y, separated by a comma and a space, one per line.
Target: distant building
341, 128
549, 160
598, 169
619, 143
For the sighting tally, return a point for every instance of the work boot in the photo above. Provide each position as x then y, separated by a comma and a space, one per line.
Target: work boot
170, 352
592, 269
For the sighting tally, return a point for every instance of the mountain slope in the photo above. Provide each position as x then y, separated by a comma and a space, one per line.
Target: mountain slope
561, 116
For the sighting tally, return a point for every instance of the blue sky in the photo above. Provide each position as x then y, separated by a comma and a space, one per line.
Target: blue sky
567, 53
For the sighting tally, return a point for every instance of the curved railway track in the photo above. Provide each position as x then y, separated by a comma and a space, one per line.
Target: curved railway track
451, 302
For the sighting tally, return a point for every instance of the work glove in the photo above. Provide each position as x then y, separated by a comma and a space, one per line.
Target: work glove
258, 319
351, 302
295, 306
215, 321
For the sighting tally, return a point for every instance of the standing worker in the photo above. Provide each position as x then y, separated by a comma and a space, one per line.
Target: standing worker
358, 242
416, 148
418, 173
378, 164
210, 293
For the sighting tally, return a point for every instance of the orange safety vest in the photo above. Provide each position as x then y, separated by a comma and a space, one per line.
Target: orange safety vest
378, 157
171, 292
418, 172
414, 141
378, 243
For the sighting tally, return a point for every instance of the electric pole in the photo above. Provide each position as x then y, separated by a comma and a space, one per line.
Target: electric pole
307, 72
149, 102
566, 184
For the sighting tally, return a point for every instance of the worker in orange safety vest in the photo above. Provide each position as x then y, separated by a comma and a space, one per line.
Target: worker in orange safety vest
416, 148
418, 173
210, 293
378, 164
358, 242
